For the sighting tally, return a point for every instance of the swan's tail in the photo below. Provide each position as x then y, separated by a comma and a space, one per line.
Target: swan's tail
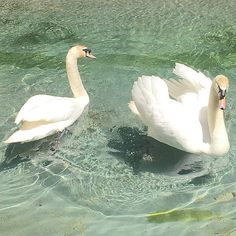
27, 135
19, 136
23, 136
133, 108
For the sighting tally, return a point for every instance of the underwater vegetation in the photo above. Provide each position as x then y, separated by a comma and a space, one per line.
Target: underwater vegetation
186, 214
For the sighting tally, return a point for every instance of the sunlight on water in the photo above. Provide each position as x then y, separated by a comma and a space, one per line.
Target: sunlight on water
103, 179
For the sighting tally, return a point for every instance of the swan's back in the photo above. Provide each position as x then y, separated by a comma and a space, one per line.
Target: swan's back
44, 115
171, 109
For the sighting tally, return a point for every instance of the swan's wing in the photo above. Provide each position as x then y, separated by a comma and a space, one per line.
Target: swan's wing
192, 90
151, 98
30, 105
144, 95
168, 120
196, 80
49, 108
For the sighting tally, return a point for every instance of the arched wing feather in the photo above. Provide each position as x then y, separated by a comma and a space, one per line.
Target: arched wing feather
49, 108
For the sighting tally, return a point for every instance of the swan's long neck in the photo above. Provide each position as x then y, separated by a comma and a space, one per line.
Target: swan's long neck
219, 143
74, 75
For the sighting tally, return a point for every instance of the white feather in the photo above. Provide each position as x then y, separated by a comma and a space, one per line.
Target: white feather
51, 109
175, 111
44, 115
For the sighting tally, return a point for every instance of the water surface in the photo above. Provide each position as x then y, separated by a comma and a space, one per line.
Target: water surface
102, 179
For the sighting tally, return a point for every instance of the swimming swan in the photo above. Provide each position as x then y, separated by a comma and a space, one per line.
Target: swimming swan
44, 115
186, 113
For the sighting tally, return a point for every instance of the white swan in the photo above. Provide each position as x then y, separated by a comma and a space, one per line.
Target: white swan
44, 115
186, 113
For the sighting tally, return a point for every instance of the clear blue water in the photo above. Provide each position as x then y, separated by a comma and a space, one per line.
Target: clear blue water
102, 180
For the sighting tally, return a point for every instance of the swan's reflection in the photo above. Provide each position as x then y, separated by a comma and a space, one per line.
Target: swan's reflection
146, 154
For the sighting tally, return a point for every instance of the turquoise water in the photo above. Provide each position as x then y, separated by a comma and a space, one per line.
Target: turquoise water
102, 179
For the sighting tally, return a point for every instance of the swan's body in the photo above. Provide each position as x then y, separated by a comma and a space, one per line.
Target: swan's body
44, 115
186, 114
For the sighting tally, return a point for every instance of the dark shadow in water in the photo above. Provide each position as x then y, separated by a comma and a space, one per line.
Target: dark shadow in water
17, 153
143, 153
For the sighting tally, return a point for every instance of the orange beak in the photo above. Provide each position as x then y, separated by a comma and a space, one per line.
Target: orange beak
89, 55
222, 103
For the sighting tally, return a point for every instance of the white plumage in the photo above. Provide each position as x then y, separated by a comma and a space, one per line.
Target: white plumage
178, 112
44, 115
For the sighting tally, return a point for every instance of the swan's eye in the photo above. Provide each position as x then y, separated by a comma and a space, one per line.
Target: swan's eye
222, 93
87, 51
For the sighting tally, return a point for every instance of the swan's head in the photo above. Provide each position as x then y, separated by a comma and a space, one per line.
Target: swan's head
221, 85
81, 51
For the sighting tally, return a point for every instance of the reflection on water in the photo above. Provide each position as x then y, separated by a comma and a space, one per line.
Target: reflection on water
146, 154
106, 175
